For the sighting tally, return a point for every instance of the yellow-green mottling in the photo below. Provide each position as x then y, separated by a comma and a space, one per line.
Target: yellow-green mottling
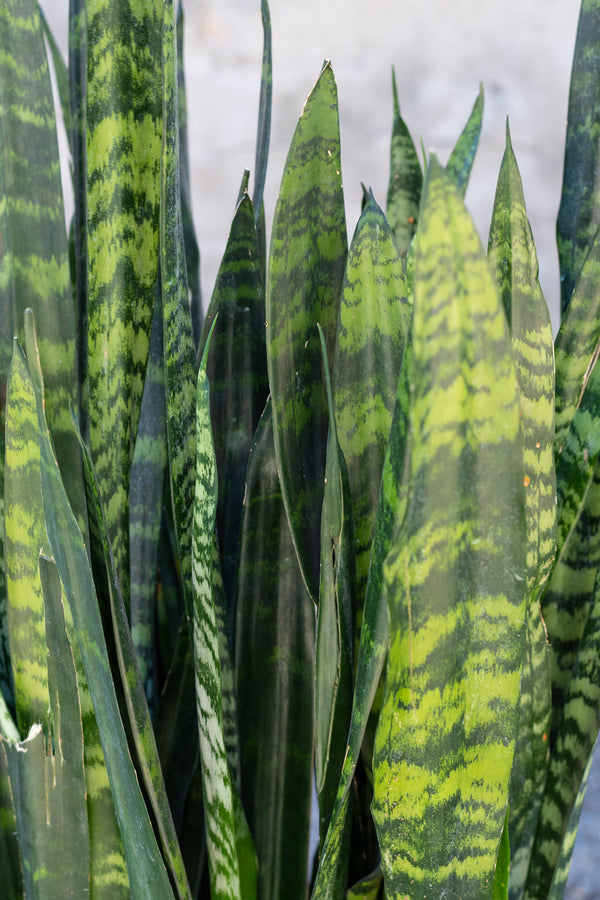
445, 741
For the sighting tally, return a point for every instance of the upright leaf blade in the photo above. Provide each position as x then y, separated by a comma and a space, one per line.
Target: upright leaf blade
579, 213
237, 372
514, 262
462, 157
274, 661
34, 264
124, 134
178, 338
406, 181
371, 336
147, 874
306, 266
446, 735
216, 779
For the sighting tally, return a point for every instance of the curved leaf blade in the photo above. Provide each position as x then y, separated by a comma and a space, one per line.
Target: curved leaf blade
147, 874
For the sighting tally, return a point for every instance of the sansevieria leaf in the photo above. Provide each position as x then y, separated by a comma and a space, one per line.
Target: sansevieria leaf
447, 728
372, 332
147, 874
305, 271
579, 213
462, 157
335, 624
178, 337
406, 181
275, 650
577, 343
34, 264
514, 262
124, 136
216, 779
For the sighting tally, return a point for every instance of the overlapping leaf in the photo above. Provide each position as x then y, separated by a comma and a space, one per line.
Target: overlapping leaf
274, 650
146, 872
406, 181
124, 135
579, 213
446, 736
306, 267
237, 371
514, 263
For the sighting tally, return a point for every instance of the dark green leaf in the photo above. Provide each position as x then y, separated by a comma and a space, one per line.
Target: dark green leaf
237, 371
306, 267
579, 213
406, 181
274, 660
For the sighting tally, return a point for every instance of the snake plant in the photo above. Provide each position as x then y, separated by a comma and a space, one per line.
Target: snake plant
299, 596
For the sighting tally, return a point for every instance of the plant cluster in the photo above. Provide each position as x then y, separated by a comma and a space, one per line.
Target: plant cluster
342, 533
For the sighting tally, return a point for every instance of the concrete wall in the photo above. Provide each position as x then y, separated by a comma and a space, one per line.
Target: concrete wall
520, 50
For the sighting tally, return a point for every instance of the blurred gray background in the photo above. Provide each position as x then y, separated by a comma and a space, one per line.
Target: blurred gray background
521, 50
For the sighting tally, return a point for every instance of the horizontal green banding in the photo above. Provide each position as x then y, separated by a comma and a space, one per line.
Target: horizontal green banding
514, 263
462, 157
306, 265
237, 371
406, 181
25, 537
34, 265
216, 780
577, 343
178, 338
577, 733
124, 138
566, 603
579, 213
372, 331
445, 741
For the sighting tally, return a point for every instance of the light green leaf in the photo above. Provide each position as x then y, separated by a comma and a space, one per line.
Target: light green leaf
447, 728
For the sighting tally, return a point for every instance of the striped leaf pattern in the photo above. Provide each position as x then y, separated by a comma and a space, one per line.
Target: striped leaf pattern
372, 332
130, 689
462, 157
374, 630
567, 601
579, 213
577, 343
237, 372
216, 779
576, 736
145, 870
178, 338
513, 259
306, 266
25, 537
446, 736
147, 480
406, 181
34, 266
124, 135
